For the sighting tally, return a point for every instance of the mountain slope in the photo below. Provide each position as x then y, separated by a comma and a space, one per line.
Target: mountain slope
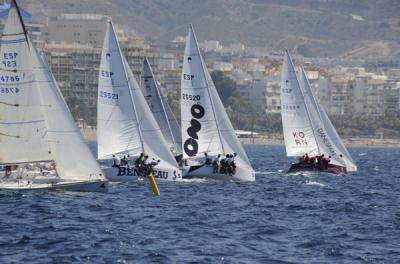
312, 27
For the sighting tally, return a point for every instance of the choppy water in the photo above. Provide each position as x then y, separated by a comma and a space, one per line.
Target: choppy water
277, 219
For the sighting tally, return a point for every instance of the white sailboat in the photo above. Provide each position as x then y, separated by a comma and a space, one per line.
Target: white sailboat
161, 110
36, 126
125, 124
204, 122
307, 128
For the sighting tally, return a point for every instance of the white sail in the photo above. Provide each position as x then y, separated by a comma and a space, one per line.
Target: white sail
205, 125
117, 127
126, 124
22, 127
154, 144
37, 124
199, 126
72, 156
160, 109
328, 140
229, 139
297, 127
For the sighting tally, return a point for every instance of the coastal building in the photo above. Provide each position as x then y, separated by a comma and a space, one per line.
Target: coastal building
73, 45
85, 29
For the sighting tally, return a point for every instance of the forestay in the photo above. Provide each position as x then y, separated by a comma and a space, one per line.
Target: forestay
297, 127
160, 109
327, 138
122, 105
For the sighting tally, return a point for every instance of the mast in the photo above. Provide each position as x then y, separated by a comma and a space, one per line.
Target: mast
14, 4
208, 89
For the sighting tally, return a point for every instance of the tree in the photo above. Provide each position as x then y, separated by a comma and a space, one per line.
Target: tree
225, 86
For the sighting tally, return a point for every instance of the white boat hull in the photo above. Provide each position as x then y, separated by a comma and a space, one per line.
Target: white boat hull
207, 171
131, 174
81, 186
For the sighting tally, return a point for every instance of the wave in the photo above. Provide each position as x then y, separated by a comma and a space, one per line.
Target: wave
315, 183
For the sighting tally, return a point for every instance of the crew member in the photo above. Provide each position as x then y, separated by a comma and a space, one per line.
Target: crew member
116, 161
319, 161
215, 163
208, 159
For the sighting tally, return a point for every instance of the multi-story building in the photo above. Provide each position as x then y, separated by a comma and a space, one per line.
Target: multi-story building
76, 69
76, 28
273, 94
73, 46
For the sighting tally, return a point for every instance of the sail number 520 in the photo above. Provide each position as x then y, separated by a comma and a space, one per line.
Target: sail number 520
191, 97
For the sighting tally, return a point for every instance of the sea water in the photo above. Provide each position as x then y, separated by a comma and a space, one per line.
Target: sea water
279, 218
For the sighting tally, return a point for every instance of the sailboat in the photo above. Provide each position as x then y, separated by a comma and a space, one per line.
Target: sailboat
307, 128
125, 124
36, 128
161, 109
205, 126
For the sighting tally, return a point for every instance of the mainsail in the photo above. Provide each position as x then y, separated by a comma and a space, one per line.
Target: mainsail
117, 125
37, 124
205, 124
306, 126
125, 122
297, 127
22, 125
160, 109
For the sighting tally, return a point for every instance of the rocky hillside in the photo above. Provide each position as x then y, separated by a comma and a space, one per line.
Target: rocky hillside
312, 27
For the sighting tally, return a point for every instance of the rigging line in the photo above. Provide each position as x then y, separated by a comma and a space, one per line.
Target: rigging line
13, 34
8, 70
209, 144
6, 135
16, 105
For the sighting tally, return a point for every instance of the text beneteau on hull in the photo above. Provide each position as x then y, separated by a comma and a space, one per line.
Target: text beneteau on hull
40, 145
309, 134
125, 124
205, 125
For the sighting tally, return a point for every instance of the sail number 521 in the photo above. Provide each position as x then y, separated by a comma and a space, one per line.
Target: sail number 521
191, 97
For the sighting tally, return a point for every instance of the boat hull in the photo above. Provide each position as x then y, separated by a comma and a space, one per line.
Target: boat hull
131, 174
82, 186
207, 171
332, 168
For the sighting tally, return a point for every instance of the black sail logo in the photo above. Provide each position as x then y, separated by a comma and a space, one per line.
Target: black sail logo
191, 146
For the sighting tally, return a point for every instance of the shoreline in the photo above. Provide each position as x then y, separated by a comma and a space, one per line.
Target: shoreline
352, 142
90, 134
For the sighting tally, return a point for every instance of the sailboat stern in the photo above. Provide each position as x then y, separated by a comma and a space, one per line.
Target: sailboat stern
242, 173
84, 186
306, 167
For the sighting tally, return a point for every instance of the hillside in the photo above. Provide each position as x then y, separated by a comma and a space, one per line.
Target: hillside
312, 27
